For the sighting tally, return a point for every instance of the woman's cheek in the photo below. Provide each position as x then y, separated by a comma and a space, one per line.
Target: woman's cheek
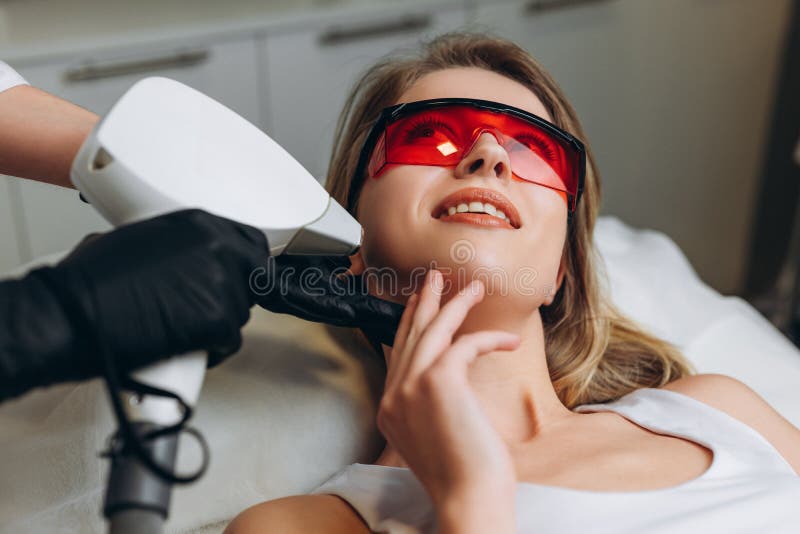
385, 242
387, 216
534, 263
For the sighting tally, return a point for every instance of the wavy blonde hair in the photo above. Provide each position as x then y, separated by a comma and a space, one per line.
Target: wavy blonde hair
594, 353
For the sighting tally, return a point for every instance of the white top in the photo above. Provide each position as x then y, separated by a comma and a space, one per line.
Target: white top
9, 77
749, 487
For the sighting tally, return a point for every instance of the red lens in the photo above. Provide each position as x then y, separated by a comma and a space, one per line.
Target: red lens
443, 135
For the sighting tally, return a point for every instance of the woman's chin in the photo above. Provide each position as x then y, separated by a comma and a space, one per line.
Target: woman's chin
460, 261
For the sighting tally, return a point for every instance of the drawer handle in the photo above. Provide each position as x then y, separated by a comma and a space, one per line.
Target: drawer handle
338, 36
111, 70
541, 6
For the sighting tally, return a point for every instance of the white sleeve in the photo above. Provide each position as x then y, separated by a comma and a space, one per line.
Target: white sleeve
9, 77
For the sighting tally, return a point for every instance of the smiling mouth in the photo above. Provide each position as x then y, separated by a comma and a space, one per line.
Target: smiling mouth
476, 217
480, 206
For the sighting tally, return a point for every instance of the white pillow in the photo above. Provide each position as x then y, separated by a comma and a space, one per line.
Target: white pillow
652, 281
294, 406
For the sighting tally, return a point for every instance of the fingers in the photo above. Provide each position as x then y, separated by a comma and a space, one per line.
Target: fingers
469, 346
426, 331
400, 337
426, 309
438, 335
428, 305
405, 323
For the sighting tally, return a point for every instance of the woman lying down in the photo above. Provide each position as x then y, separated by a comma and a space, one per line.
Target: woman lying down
517, 398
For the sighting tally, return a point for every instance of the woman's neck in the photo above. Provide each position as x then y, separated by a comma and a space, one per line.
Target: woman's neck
514, 387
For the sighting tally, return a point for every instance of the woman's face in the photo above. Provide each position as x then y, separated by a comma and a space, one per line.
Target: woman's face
398, 209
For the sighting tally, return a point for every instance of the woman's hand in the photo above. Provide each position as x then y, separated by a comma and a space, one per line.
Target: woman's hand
430, 414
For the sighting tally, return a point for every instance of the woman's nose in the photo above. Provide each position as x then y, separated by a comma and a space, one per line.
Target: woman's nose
486, 157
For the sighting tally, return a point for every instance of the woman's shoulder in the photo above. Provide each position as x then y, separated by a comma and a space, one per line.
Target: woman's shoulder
738, 400
296, 514
719, 391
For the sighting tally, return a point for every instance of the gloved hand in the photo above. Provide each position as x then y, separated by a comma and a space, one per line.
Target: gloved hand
149, 290
308, 287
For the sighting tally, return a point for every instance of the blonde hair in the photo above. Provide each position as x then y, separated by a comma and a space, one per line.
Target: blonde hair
594, 353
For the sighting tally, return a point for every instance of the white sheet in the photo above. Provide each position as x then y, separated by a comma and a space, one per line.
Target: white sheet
294, 407
652, 281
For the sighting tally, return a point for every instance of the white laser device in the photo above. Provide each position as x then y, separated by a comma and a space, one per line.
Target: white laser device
164, 147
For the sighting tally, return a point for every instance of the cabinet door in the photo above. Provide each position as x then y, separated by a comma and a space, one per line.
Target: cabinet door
675, 99
55, 218
9, 247
309, 73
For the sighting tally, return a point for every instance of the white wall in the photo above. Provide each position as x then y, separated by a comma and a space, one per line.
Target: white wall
708, 74
675, 95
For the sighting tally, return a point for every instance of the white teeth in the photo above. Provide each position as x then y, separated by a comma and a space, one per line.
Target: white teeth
477, 207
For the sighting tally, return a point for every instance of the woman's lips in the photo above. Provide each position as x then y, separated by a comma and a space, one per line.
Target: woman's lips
483, 195
481, 219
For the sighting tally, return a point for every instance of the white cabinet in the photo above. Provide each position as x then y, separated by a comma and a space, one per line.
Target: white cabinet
9, 247
309, 72
224, 70
54, 217
675, 99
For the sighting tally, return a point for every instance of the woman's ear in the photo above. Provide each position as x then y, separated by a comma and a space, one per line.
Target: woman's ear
356, 264
356, 267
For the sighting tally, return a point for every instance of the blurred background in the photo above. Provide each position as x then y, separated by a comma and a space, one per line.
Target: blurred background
692, 107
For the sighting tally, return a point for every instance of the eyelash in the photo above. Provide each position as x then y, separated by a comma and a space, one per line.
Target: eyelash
542, 145
413, 130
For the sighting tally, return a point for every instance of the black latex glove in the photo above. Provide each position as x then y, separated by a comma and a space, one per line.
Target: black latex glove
149, 290
307, 287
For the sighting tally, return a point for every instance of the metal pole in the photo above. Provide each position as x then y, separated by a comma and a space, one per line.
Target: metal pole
137, 500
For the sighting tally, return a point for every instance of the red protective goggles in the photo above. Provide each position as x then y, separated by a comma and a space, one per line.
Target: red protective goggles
442, 132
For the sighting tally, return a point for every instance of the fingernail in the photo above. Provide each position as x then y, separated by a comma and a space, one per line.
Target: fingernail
476, 287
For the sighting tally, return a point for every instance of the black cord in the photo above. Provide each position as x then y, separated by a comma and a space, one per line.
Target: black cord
126, 439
